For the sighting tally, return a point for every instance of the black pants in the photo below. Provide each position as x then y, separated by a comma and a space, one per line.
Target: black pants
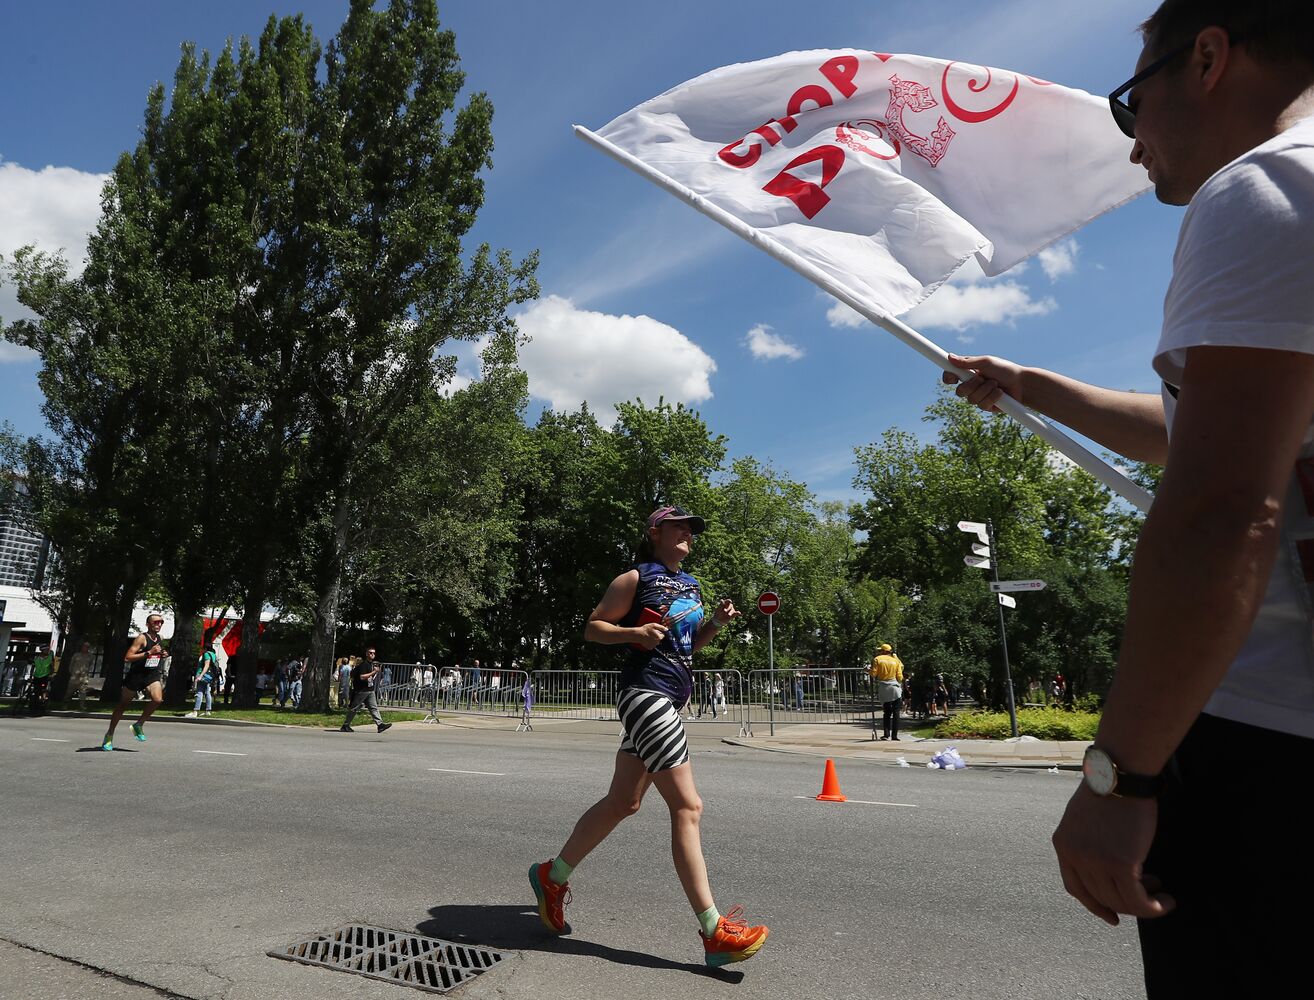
1232, 851
891, 718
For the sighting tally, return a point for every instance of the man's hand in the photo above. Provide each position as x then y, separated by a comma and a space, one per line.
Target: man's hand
1101, 845
649, 635
725, 612
993, 378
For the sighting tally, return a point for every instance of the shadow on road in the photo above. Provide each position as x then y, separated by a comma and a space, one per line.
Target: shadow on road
517, 927
97, 749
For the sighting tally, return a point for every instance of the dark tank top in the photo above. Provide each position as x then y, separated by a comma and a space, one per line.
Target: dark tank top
677, 599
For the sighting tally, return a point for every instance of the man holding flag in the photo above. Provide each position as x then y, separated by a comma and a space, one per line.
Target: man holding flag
1181, 810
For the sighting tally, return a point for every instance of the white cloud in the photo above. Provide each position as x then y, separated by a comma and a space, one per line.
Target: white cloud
55, 208
966, 300
839, 315
971, 299
1059, 260
959, 307
767, 346
575, 355
455, 384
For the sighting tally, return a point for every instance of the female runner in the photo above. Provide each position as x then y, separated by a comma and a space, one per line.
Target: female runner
657, 611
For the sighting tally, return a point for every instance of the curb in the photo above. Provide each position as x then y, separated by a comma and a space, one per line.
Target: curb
989, 763
61, 713
65, 714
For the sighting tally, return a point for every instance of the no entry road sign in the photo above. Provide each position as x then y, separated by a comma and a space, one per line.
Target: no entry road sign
769, 603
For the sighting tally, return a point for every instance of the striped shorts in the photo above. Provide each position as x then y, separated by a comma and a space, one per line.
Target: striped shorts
653, 730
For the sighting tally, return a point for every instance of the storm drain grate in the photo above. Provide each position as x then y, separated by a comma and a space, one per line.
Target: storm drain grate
393, 956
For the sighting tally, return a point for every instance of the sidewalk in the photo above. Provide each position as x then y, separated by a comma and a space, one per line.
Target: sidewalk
836, 740
853, 743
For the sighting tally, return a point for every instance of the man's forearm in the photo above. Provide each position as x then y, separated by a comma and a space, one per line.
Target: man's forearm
1198, 583
1129, 423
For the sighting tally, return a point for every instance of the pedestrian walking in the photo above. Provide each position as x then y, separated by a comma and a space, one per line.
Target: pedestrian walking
344, 681
207, 675
476, 682
363, 676
144, 672
43, 665
79, 675
703, 685
656, 610
886, 673
296, 679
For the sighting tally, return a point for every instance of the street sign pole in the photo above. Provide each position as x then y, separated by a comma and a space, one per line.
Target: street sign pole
768, 604
1003, 635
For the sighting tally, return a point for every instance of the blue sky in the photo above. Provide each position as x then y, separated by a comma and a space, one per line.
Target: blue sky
75, 78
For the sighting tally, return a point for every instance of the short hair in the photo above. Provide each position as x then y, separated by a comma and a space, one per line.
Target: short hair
1274, 30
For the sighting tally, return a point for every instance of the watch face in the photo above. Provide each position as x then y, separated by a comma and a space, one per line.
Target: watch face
1101, 775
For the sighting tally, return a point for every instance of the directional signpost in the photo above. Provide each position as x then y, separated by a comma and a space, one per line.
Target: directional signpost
984, 557
1013, 586
975, 528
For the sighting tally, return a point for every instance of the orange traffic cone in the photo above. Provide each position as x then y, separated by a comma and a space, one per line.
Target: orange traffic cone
830, 790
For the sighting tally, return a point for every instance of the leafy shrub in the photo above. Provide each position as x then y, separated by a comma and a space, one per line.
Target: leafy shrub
1042, 723
1088, 702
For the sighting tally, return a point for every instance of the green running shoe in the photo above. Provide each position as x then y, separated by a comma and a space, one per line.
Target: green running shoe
136, 731
107, 745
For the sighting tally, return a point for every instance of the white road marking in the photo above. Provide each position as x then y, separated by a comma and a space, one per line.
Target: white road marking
864, 802
47, 739
221, 753
452, 770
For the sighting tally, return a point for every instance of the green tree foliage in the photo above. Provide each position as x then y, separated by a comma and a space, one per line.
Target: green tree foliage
1052, 521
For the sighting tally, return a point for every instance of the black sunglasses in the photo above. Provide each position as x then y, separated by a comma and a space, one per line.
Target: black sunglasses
1123, 112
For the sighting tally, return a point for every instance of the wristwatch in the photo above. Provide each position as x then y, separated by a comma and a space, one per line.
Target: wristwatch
1105, 778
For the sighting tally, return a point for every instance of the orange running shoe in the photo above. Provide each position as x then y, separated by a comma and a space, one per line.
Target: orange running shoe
733, 940
552, 898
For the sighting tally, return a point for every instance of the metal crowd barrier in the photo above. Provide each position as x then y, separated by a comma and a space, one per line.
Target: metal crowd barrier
574, 695
843, 695
590, 696
498, 693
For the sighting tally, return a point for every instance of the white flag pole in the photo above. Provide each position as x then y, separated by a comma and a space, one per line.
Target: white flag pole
1098, 468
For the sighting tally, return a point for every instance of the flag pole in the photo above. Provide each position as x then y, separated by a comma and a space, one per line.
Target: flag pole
1042, 428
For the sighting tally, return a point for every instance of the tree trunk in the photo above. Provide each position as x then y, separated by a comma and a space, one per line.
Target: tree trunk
248, 656
323, 640
116, 643
185, 648
77, 632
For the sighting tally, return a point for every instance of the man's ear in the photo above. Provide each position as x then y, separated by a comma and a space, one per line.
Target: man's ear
1211, 56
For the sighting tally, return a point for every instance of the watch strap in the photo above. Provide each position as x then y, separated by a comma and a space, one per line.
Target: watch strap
1138, 786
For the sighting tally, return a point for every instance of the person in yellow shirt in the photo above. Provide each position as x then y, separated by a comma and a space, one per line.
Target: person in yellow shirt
887, 674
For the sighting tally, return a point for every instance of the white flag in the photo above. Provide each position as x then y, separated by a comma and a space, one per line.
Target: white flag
887, 171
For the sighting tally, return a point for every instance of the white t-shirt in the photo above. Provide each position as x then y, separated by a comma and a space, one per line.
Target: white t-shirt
1243, 276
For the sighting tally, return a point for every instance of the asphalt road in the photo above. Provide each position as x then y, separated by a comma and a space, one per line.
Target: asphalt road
176, 869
